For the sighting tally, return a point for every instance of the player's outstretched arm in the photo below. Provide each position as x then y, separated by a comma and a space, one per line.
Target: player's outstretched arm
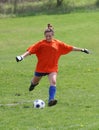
21, 57
81, 49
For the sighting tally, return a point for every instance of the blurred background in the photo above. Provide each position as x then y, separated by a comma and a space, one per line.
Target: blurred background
33, 7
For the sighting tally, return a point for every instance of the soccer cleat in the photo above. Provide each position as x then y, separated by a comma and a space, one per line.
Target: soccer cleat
32, 86
52, 102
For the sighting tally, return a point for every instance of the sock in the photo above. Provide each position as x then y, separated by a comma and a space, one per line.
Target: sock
52, 92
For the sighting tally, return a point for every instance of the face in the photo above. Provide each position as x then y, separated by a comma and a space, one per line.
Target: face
49, 36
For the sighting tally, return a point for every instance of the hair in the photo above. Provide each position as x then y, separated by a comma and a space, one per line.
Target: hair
49, 29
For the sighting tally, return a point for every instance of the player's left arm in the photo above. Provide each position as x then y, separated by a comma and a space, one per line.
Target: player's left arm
81, 49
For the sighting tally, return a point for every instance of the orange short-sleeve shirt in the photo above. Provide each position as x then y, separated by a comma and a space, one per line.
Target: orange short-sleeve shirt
48, 54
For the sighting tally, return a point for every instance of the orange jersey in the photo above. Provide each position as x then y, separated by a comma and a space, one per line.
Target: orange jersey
48, 54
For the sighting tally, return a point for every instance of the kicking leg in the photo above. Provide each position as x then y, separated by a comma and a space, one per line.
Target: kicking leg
52, 89
34, 82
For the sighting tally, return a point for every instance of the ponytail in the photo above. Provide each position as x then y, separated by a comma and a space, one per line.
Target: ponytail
49, 29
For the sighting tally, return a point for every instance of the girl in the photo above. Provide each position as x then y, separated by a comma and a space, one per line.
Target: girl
48, 52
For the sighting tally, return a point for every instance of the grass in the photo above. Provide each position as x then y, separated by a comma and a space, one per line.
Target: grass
77, 82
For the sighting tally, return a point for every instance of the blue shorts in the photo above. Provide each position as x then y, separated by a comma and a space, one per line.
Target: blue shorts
41, 74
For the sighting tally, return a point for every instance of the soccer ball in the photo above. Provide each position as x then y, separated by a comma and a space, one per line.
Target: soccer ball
38, 103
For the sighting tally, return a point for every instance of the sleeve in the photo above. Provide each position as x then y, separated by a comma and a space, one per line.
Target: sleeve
65, 48
34, 48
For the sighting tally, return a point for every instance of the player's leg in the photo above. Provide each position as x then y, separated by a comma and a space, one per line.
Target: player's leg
34, 82
36, 79
52, 89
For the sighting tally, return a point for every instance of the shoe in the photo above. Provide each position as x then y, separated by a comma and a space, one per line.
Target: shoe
32, 86
52, 102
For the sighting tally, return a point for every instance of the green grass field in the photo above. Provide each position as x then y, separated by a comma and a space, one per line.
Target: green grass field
77, 82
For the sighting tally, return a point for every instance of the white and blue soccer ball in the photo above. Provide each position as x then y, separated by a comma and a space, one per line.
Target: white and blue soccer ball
38, 103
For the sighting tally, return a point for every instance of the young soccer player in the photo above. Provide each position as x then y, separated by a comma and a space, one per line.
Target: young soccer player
48, 52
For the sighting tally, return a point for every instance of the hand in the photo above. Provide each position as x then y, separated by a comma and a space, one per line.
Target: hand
85, 51
19, 58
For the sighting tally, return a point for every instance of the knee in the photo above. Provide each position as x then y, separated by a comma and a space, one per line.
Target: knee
53, 82
52, 78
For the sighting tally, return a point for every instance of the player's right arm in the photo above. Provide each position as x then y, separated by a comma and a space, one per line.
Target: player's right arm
31, 50
21, 57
